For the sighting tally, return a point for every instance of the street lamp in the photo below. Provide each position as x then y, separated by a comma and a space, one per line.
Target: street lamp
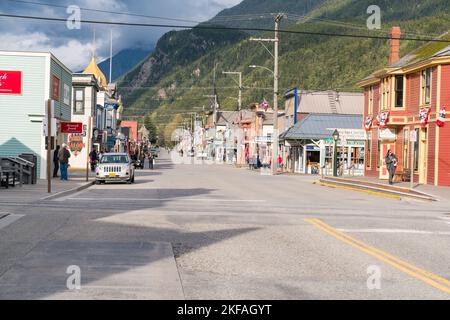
335, 139
254, 66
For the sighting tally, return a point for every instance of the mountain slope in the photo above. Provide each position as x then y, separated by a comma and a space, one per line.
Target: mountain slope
308, 61
124, 61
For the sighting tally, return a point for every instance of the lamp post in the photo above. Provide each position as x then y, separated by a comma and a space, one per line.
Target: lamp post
335, 139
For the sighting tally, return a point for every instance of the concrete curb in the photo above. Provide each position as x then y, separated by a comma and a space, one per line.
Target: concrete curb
69, 192
422, 196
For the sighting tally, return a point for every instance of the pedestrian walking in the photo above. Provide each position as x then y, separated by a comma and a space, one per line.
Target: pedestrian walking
56, 162
151, 161
391, 165
93, 156
63, 157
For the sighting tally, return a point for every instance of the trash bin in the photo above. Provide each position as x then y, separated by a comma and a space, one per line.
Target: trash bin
32, 179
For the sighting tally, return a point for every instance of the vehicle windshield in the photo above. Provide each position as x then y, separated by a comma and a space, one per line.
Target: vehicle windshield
114, 159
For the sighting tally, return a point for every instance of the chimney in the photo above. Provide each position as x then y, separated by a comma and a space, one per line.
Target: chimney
395, 36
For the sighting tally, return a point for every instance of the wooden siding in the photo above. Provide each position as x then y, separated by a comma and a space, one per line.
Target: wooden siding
18, 134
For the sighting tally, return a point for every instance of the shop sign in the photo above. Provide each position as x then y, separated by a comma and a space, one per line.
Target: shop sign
352, 134
76, 144
71, 127
10, 82
263, 139
56, 84
355, 143
388, 134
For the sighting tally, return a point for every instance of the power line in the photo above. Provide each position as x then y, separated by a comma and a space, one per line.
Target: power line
204, 27
104, 11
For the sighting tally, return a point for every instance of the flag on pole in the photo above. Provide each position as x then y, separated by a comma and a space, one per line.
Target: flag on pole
265, 104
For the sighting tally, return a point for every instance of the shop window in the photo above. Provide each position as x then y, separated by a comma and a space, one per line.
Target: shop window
369, 150
426, 86
370, 103
405, 149
416, 151
379, 155
79, 102
385, 94
399, 91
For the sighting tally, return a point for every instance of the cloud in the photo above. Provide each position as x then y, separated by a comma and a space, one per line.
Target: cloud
73, 47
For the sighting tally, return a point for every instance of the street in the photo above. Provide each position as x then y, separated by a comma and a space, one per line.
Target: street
219, 232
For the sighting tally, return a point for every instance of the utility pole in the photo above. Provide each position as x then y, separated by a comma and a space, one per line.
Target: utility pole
49, 146
276, 77
240, 87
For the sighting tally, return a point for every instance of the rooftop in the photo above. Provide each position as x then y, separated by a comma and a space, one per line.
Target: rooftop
321, 126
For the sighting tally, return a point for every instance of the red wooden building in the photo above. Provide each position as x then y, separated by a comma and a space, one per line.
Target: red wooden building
410, 96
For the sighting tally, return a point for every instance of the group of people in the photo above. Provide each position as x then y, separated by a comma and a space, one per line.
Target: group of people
61, 158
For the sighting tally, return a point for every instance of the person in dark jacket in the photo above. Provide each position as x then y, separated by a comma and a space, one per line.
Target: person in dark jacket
93, 159
56, 162
63, 157
391, 165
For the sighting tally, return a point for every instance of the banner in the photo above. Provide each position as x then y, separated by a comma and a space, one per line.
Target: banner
10, 82
368, 123
424, 115
441, 117
383, 119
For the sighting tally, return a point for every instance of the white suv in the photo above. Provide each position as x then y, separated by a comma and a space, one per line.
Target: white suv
115, 167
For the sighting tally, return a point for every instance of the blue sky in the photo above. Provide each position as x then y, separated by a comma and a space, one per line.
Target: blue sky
74, 47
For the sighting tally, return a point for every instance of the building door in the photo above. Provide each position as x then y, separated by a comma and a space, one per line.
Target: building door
423, 155
385, 146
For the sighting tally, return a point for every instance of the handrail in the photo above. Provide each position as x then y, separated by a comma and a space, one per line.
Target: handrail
20, 160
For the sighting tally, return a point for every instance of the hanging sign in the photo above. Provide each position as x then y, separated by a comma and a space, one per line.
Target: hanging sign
71, 127
441, 117
10, 82
368, 123
383, 119
424, 116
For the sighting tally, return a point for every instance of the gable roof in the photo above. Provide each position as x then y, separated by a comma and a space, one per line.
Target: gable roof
331, 102
321, 126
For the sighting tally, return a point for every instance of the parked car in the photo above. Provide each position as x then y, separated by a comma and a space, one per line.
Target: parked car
115, 167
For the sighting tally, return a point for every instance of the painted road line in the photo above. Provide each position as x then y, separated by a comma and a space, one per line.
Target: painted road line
429, 274
375, 193
162, 199
9, 219
407, 231
423, 275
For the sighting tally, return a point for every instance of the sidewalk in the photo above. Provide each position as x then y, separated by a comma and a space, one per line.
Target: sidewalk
440, 193
32, 193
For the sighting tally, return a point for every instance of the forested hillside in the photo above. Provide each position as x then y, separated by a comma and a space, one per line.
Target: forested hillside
179, 84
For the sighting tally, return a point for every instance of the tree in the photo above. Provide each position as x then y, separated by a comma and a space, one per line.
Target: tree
148, 122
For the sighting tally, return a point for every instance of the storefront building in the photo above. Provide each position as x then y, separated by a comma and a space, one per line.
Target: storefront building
405, 111
311, 146
27, 81
85, 88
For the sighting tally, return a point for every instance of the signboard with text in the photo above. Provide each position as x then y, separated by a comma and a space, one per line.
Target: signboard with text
56, 88
10, 82
71, 127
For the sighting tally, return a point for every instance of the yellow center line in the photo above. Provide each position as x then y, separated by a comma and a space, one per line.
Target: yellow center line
375, 193
425, 276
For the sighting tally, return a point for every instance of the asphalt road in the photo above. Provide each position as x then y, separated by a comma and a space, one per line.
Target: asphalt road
217, 232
